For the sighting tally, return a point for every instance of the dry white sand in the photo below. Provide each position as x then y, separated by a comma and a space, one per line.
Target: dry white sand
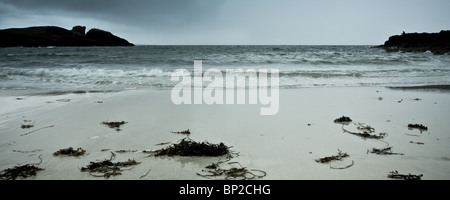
285, 145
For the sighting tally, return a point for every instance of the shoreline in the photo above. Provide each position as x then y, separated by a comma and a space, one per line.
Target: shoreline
422, 87
285, 146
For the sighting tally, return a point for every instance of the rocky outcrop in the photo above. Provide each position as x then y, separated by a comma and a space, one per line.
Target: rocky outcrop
57, 36
79, 29
436, 43
105, 38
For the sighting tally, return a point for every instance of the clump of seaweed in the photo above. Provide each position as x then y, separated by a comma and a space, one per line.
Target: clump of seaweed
384, 151
328, 159
188, 147
70, 152
343, 120
396, 175
417, 126
185, 132
107, 168
24, 171
26, 126
115, 125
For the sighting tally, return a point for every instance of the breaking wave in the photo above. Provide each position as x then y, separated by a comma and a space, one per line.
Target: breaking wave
113, 69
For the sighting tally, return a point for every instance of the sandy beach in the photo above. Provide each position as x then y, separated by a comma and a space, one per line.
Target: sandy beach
285, 146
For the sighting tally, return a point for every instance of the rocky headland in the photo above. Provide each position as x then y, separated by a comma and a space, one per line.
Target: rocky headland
41, 36
436, 43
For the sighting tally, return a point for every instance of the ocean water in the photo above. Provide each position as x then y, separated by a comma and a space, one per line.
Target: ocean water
98, 69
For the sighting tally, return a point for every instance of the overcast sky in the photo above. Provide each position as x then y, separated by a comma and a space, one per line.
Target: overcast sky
245, 22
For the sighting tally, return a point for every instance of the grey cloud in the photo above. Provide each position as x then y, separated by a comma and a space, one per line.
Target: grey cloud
160, 12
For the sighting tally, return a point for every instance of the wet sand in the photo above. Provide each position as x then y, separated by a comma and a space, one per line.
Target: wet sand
285, 146
424, 87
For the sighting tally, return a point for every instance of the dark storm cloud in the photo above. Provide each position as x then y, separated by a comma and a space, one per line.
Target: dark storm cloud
163, 12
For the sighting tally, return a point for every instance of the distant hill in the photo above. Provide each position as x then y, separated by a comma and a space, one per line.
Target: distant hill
57, 36
437, 43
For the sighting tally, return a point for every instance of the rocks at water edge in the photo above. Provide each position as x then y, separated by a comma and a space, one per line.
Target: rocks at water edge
436, 43
41, 36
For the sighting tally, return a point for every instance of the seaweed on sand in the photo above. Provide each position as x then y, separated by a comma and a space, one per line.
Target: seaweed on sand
417, 126
37, 130
419, 143
33, 151
70, 152
185, 132
188, 147
162, 143
24, 171
126, 151
366, 132
396, 175
328, 159
384, 151
26, 126
241, 173
343, 120
337, 157
365, 128
107, 168
114, 125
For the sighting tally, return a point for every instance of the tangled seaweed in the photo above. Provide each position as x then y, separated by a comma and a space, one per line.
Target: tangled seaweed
115, 125
107, 168
384, 151
338, 157
233, 173
70, 152
24, 171
366, 132
365, 128
328, 159
188, 147
396, 175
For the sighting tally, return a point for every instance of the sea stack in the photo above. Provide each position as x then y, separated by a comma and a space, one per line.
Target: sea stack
79, 29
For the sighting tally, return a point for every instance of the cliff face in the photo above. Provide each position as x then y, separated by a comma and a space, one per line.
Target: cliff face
56, 36
437, 43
